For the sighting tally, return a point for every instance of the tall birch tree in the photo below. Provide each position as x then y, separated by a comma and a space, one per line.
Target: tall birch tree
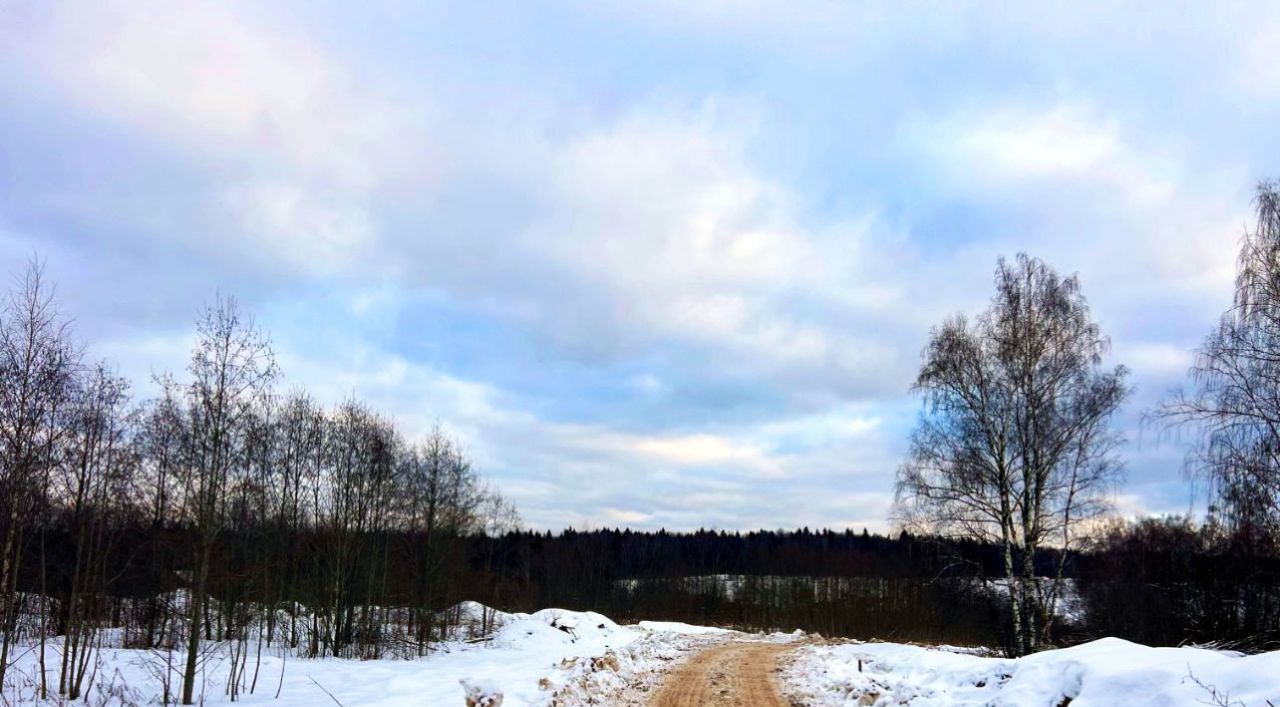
1014, 445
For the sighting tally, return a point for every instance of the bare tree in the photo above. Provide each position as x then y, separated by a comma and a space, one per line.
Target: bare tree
1014, 446
162, 447
38, 363
1235, 396
300, 460
442, 500
497, 517
249, 503
361, 452
232, 368
97, 468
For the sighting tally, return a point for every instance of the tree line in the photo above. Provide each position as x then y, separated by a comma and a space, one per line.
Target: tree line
224, 510
844, 583
1169, 581
1162, 582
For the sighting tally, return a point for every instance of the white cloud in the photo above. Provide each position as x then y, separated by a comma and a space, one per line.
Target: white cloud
625, 517
320, 236
1126, 206
837, 425
142, 357
204, 75
649, 385
1253, 75
658, 223
293, 147
1157, 359
667, 232
746, 475
700, 450
654, 224
1014, 147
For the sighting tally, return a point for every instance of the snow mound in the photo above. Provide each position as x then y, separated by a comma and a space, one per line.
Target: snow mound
1109, 671
554, 627
470, 620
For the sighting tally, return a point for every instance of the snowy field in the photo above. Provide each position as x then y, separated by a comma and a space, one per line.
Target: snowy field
567, 658
551, 657
1108, 672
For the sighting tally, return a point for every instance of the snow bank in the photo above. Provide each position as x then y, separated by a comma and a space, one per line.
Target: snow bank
681, 628
552, 657
1110, 671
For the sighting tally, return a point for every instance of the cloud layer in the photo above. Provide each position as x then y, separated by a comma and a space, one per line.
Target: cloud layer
659, 265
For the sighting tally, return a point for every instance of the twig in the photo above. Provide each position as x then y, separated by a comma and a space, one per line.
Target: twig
1220, 699
284, 659
330, 694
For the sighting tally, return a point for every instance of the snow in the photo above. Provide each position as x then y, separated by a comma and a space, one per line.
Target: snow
550, 657
626, 677
571, 658
683, 629
1069, 605
1109, 671
466, 620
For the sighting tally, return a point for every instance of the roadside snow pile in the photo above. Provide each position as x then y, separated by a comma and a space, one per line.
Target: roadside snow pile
627, 677
1109, 672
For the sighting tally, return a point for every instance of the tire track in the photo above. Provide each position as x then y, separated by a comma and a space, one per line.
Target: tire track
732, 675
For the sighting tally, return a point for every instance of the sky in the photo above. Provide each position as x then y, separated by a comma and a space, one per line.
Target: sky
660, 264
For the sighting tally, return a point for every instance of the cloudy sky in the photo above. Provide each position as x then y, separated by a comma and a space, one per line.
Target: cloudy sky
656, 264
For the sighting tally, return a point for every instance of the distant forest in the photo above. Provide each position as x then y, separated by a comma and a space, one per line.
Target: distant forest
1160, 582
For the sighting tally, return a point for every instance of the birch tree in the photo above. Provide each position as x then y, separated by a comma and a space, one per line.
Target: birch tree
1014, 445
1234, 401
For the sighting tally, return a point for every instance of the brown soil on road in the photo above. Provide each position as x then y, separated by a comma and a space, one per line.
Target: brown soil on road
732, 675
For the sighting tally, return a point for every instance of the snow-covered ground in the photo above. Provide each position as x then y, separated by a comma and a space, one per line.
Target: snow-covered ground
567, 658
1110, 672
550, 657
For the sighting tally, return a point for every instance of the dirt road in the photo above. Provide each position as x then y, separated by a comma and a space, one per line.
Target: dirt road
732, 675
